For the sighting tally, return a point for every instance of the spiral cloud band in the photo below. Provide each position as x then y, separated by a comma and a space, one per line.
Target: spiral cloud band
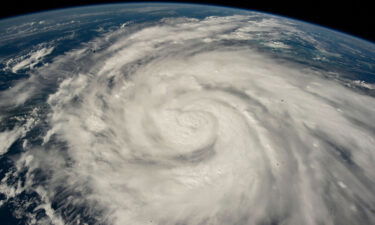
185, 122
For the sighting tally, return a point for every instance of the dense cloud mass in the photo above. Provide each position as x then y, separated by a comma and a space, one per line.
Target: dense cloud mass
183, 122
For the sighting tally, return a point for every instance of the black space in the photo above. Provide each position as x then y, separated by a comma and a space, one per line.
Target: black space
353, 17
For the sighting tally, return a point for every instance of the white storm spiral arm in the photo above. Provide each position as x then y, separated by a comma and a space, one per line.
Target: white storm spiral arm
174, 124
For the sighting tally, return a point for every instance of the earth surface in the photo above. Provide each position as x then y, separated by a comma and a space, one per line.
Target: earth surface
178, 114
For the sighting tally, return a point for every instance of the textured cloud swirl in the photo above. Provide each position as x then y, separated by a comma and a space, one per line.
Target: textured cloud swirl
183, 122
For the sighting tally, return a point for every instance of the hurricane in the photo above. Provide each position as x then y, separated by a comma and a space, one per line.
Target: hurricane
182, 121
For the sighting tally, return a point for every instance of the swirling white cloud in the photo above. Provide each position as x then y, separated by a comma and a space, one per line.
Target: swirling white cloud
180, 122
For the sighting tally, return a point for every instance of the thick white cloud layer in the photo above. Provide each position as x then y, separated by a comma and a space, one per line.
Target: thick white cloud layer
175, 123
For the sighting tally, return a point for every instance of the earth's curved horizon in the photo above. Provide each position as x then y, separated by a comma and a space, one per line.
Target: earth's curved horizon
31, 13
184, 114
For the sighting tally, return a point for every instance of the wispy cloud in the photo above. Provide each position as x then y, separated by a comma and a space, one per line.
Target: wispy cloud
28, 61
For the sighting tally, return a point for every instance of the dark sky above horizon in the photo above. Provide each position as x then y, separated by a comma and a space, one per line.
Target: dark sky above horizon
353, 17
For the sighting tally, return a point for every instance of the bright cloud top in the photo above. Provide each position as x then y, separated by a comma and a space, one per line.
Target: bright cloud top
175, 123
